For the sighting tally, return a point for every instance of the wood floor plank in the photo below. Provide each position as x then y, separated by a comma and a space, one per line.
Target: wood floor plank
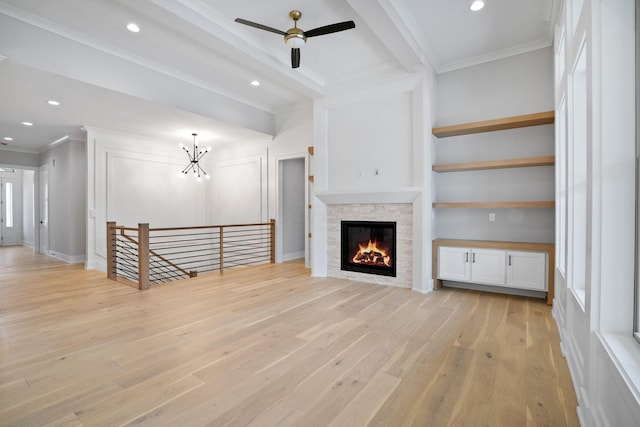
270, 346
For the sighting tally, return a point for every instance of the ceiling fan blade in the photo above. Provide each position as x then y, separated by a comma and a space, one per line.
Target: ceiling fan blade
328, 29
259, 26
295, 57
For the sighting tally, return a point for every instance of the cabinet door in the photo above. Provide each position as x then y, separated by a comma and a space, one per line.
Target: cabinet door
488, 266
527, 270
454, 264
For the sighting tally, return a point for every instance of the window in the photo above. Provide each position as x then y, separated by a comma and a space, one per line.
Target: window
9, 204
561, 190
577, 157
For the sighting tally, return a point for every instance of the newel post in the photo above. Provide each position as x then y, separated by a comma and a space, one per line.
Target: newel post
143, 256
272, 227
112, 254
221, 250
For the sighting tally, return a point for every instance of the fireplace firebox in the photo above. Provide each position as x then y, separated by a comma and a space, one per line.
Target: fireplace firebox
368, 247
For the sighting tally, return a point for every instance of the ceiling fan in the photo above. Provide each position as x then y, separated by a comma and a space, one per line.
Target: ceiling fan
295, 37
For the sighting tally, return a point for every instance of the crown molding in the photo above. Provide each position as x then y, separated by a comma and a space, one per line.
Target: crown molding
17, 150
494, 56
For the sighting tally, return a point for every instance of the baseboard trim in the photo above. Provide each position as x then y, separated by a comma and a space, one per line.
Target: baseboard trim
293, 255
71, 259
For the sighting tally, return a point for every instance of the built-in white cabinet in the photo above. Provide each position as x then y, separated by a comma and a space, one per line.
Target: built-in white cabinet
526, 270
454, 264
496, 267
488, 266
485, 266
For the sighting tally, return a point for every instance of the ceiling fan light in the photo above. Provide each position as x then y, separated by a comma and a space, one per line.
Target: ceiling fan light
476, 5
295, 39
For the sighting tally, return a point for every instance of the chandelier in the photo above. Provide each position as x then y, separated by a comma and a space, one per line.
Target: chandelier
194, 160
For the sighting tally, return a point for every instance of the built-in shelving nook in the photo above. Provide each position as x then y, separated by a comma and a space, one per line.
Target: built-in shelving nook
504, 264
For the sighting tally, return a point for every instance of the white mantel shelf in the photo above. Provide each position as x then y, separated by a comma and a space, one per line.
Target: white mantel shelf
399, 195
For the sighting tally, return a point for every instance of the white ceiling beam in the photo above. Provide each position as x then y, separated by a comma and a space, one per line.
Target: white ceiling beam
92, 61
233, 44
384, 18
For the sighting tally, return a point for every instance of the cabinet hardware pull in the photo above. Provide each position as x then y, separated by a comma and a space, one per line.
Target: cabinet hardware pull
473, 257
466, 257
509, 260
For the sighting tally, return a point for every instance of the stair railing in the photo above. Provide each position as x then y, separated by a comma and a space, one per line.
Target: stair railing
149, 256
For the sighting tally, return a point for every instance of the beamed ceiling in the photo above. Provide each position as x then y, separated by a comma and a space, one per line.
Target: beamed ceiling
190, 67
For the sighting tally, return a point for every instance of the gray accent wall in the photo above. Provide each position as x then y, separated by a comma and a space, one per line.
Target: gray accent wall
518, 85
293, 208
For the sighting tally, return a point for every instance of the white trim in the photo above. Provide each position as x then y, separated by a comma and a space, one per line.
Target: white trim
494, 56
399, 195
71, 259
393, 86
293, 255
18, 150
100, 265
623, 352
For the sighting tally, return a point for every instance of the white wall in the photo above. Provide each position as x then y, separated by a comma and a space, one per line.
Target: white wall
239, 185
244, 187
370, 144
131, 180
595, 280
67, 199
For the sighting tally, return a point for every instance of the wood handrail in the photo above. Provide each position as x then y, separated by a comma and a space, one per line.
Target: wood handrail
200, 227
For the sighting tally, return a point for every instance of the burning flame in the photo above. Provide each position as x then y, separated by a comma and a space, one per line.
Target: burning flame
371, 254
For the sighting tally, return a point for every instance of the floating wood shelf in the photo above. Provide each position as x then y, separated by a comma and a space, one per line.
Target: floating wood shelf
496, 164
514, 122
496, 205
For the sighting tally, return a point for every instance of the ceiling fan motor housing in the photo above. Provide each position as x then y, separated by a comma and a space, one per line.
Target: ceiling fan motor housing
295, 38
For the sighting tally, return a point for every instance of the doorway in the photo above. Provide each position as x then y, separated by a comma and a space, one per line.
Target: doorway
292, 212
43, 196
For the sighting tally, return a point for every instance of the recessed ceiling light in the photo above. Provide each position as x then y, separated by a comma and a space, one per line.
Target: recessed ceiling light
27, 123
53, 102
476, 5
133, 27
255, 83
8, 138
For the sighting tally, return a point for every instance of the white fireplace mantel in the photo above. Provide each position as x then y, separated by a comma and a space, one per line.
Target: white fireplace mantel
391, 195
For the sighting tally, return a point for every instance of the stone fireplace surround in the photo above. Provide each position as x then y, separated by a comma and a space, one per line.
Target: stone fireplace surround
401, 213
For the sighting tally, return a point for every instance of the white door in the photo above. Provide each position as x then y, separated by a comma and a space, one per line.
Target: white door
11, 212
454, 264
527, 270
44, 210
488, 266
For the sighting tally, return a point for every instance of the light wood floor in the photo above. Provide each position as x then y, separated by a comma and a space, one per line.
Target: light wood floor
270, 346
